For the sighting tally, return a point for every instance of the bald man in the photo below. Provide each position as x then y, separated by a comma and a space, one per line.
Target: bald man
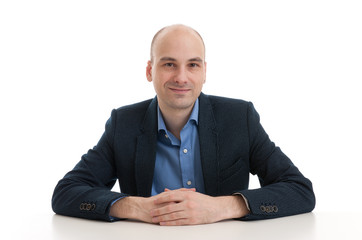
183, 157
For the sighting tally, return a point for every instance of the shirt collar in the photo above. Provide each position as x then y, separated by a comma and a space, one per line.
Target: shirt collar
194, 116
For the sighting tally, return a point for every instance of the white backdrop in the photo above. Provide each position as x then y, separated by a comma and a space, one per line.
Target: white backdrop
64, 65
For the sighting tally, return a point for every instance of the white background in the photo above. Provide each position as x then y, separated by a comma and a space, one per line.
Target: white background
64, 65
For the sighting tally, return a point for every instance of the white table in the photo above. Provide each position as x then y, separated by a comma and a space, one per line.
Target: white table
306, 226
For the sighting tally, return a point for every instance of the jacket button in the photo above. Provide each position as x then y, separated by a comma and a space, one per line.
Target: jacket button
88, 207
84, 206
262, 208
93, 206
275, 209
268, 209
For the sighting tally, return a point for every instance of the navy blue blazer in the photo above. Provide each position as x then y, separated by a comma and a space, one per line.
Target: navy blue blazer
232, 144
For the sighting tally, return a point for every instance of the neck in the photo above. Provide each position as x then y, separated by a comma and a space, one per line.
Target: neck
175, 119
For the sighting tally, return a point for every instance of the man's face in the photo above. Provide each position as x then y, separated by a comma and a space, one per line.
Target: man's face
178, 69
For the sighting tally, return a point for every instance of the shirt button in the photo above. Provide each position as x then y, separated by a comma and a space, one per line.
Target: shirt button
189, 183
166, 136
185, 151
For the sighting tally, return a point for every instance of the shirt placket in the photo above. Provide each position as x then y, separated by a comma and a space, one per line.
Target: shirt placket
186, 154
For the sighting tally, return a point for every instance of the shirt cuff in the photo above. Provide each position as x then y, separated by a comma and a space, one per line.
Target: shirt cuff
114, 218
245, 200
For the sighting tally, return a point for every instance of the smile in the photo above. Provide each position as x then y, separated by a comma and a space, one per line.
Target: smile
179, 91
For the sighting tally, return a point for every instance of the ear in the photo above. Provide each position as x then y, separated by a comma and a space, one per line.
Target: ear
205, 72
149, 71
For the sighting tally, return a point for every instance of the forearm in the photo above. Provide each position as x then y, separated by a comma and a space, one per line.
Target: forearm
279, 200
83, 201
137, 208
230, 207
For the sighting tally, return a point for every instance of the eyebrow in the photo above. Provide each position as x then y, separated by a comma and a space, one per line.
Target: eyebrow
196, 59
168, 59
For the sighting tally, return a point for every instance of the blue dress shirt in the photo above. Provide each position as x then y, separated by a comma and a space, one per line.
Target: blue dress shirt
178, 163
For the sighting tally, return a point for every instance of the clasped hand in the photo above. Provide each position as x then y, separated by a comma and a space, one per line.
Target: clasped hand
183, 207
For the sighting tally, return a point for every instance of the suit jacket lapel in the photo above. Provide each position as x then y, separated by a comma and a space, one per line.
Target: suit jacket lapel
208, 146
146, 151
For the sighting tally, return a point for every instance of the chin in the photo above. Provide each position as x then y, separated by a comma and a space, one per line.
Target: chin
184, 106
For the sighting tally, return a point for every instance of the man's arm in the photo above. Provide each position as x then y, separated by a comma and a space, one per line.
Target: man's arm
284, 190
85, 191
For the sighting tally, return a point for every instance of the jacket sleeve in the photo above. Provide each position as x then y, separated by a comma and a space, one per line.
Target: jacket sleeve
284, 190
85, 191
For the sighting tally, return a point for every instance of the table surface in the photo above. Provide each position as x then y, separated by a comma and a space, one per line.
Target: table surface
305, 226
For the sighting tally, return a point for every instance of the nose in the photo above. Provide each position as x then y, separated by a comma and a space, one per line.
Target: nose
181, 76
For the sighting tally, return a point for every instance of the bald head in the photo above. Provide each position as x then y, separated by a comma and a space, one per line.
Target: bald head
177, 69
172, 30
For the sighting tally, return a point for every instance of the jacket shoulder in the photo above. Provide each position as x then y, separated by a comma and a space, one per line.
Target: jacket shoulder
227, 104
130, 118
134, 108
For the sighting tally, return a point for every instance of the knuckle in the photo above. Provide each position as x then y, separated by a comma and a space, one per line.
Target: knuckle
171, 196
168, 208
155, 212
190, 205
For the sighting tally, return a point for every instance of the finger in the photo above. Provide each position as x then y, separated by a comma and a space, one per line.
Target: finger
181, 189
177, 195
174, 216
187, 189
166, 209
178, 222
168, 197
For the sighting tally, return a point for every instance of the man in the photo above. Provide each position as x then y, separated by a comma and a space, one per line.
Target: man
183, 157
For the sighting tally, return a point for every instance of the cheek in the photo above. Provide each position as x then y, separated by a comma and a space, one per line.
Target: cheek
164, 77
160, 79
201, 84
200, 80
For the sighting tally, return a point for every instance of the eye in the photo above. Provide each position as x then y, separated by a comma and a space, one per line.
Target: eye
193, 65
169, 64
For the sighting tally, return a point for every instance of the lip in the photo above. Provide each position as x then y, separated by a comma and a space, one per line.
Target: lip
179, 90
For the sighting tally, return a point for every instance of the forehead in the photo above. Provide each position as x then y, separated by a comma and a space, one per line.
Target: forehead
178, 43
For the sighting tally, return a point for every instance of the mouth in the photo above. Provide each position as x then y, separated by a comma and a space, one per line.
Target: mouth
180, 90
